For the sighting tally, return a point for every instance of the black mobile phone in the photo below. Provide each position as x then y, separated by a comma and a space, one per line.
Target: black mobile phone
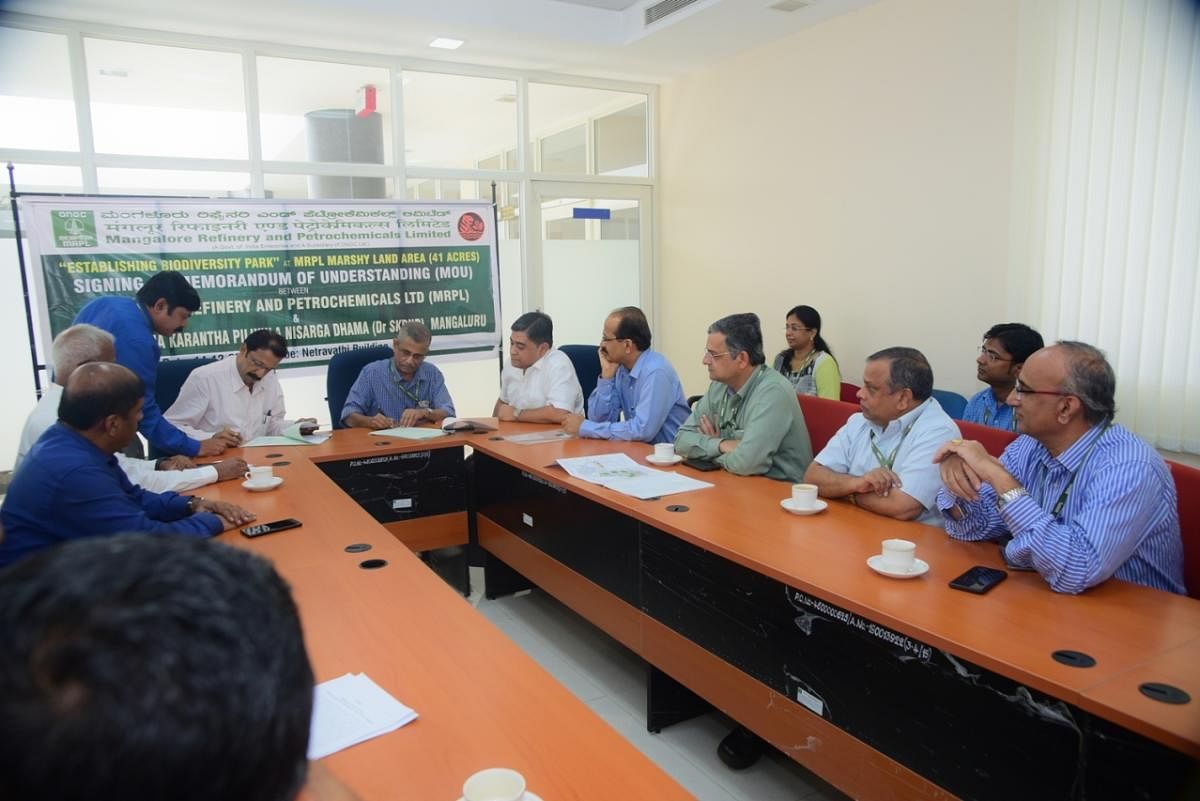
701, 464
979, 579
270, 528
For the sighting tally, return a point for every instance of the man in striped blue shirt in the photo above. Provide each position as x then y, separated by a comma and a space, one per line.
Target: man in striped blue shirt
1083, 498
404, 390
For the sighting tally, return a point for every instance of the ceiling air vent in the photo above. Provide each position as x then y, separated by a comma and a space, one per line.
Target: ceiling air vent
665, 8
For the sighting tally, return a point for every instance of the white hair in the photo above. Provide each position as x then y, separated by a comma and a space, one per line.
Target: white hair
78, 345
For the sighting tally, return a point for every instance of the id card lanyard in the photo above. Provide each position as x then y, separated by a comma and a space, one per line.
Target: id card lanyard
886, 462
415, 397
1066, 493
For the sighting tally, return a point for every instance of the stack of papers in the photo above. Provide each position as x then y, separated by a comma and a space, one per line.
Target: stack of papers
410, 433
350, 709
618, 472
290, 436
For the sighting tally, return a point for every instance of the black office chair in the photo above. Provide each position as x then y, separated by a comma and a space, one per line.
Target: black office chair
171, 375
586, 361
343, 371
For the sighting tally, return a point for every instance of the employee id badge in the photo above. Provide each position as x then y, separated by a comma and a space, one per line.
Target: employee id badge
423, 404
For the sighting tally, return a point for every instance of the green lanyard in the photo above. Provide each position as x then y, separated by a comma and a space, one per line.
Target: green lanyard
1062, 499
886, 462
415, 397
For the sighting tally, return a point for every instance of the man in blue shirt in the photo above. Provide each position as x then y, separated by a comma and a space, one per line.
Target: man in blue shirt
1082, 497
638, 396
404, 390
163, 305
70, 486
1006, 346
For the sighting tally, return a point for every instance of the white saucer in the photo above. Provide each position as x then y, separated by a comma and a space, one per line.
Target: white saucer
919, 568
526, 796
821, 506
266, 486
652, 459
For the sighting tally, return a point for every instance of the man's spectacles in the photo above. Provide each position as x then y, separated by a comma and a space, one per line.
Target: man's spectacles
712, 356
259, 365
611, 339
1023, 389
992, 356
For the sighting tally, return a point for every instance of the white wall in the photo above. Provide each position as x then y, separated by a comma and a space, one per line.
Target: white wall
861, 167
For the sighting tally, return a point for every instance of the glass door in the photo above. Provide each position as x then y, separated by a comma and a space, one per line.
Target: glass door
592, 253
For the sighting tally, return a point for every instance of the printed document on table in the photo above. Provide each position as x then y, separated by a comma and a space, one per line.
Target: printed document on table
350, 709
290, 436
618, 472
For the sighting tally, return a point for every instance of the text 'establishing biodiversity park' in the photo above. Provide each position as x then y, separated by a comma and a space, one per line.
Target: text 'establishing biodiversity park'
328, 275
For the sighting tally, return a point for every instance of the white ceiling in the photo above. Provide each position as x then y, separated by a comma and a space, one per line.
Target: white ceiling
600, 38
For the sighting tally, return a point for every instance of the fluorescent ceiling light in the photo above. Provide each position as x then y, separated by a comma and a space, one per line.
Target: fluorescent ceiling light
446, 44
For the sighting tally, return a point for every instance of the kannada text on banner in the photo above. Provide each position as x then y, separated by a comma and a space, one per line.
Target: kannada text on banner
329, 276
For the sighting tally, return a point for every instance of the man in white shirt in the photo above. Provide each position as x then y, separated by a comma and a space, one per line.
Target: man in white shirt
540, 386
239, 394
81, 344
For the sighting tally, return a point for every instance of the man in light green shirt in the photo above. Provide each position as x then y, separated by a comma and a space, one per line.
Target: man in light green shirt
749, 421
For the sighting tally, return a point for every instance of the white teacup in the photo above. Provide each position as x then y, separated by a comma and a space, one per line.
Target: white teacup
261, 474
899, 555
494, 784
804, 496
664, 451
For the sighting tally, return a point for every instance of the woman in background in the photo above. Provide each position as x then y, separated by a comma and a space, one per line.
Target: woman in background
807, 362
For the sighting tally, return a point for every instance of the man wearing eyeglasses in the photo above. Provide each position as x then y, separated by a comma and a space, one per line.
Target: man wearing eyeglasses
638, 395
1081, 496
748, 421
1005, 348
404, 390
881, 458
237, 398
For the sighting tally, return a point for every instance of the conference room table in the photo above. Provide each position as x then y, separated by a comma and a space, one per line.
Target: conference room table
481, 701
886, 688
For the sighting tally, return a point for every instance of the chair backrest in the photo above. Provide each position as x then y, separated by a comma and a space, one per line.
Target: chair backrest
1187, 488
849, 393
994, 440
952, 403
586, 360
341, 374
824, 417
171, 375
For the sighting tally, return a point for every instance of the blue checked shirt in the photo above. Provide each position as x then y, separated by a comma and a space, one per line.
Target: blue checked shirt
649, 397
984, 409
1120, 517
380, 388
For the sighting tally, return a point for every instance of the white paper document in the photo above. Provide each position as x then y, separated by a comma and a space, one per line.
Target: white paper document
350, 709
534, 437
618, 472
409, 432
290, 436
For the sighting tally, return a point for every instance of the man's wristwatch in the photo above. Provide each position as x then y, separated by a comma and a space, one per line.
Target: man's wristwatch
193, 502
1008, 496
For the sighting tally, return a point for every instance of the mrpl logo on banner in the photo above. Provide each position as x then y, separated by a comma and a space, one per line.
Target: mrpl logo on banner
74, 228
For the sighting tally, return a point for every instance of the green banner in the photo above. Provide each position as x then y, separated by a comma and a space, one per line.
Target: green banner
330, 276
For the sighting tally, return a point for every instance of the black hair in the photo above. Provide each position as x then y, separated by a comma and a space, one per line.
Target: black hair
265, 339
96, 390
743, 334
1018, 339
139, 668
809, 318
537, 326
632, 325
909, 370
171, 287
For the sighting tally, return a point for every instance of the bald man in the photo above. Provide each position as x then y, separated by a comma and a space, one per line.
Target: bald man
70, 485
1081, 496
